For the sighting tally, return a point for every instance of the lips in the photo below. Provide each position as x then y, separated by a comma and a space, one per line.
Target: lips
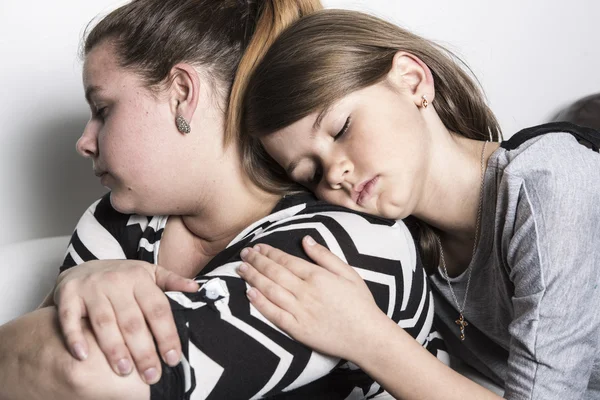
364, 191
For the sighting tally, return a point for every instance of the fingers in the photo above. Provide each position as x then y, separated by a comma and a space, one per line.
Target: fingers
110, 340
278, 316
277, 266
70, 314
169, 281
326, 259
274, 292
158, 314
136, 335
297, 266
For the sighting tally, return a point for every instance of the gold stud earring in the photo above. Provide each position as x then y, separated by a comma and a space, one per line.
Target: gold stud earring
182, 125
424, 102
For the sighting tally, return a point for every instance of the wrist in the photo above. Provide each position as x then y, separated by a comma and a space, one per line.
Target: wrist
372, 339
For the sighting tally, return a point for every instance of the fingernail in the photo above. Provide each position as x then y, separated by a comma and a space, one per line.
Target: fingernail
150, 375
172, 358
309, 240
124, 366
251, 293
79, 351
243, 268
257, 248
244, 252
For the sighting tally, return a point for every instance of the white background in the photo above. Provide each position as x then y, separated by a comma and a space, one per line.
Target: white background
533, 57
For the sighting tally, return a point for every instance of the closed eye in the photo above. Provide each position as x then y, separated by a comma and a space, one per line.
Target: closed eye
317, 176
343, 130
100, 113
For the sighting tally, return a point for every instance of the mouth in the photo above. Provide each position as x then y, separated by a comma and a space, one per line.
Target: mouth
364, 191
99, 173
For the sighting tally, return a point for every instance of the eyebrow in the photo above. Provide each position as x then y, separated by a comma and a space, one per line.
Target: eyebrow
290, 168
320, 117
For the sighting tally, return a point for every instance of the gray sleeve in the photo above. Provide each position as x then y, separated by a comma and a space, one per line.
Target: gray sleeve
553, 259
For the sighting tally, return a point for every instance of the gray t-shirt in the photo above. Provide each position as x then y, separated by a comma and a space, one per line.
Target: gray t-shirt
533, 306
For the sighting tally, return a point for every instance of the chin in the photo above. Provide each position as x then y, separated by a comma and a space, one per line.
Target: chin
122, 204
391, 211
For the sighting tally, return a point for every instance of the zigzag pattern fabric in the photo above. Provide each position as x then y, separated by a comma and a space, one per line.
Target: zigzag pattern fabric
230, 350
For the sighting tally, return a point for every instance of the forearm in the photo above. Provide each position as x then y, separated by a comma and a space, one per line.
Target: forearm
35, 364
407, 370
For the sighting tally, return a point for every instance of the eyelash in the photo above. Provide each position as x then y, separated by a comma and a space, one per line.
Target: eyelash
100, 113
344, 129
317, 176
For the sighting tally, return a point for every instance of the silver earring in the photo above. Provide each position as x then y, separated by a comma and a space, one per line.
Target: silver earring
182, 125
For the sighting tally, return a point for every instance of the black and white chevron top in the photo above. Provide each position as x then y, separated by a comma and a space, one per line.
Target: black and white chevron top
230, 350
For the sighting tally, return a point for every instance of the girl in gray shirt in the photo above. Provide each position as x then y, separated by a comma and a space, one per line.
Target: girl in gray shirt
372, 117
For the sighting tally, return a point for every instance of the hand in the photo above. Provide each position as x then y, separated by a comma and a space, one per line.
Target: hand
325, 306
126, 307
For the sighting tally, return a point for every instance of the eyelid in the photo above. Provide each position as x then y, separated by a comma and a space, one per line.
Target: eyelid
318, 171
99, 112
344, 128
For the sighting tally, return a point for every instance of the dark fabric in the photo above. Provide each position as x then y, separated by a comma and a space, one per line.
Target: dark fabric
586, 136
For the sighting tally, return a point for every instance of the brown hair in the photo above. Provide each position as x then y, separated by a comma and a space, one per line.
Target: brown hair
225, 37
332, 53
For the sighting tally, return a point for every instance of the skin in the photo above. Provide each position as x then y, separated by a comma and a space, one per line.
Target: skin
150, 168
416, 167
421, 168
328, 307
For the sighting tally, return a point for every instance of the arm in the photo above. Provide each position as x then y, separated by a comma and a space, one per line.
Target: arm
34, 364
344, 321
122, 297
221, 332
554, 331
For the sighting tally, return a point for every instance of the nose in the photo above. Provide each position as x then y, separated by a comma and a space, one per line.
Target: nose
337, 173
87, 145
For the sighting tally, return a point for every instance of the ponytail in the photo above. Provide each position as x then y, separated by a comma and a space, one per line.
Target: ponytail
273, 16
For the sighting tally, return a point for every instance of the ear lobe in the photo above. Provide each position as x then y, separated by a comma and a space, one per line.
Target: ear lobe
184, 91
413, 76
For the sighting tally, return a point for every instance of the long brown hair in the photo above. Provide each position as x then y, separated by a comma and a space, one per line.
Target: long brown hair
332, 53
225, 37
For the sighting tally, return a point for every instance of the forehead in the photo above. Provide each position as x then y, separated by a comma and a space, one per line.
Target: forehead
101, 70
100, 61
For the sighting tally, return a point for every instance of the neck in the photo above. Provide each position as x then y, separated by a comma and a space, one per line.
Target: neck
228, 208
450, 202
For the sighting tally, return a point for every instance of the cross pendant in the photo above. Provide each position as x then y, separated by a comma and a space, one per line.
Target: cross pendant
462, 323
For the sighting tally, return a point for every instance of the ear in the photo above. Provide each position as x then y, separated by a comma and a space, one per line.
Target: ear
184, 90
412, 76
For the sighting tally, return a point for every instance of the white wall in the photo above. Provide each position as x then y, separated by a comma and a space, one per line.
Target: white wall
533, 57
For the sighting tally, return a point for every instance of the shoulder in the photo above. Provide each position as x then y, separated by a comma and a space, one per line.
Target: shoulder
554, 161
305, 210
548, 192
547, 184
347, 233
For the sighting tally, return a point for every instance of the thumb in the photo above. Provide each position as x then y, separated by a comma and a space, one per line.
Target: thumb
325, 258
169, 281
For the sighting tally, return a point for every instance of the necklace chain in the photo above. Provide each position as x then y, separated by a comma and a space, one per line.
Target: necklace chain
461, 322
